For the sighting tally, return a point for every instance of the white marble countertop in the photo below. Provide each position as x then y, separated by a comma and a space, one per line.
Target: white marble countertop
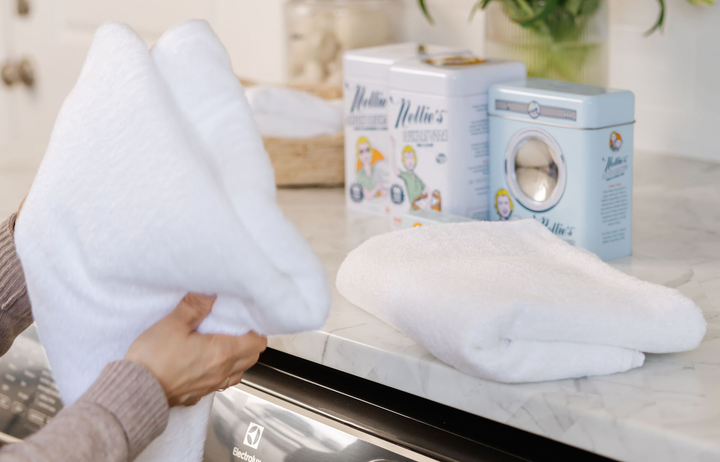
668, 410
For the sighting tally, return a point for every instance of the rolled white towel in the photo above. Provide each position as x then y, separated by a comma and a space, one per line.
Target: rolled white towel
509, 301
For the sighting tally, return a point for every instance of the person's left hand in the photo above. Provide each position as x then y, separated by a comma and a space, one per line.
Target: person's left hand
190, 365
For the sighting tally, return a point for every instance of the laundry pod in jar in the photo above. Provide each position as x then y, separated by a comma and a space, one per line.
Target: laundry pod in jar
320, 31
536, 183
534, 153
359, 27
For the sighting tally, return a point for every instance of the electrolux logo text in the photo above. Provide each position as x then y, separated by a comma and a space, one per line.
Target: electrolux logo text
242, 455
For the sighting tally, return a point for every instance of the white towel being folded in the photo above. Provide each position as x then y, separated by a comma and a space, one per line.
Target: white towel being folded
513, 303
288, 113
155, 184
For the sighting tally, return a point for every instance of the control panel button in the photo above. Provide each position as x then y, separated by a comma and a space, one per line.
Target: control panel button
48, 383
10, 378
23, 396
17, 408
5, 402
48, 391
46, 399
46, 406
37, 417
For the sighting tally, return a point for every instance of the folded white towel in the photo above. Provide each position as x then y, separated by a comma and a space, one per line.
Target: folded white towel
155, 184
288, 113
511, 302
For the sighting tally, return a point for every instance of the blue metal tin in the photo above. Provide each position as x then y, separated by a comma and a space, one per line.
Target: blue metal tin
562, 153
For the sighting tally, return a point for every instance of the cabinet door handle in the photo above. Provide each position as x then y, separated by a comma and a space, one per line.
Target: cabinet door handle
22, 71
9, 73
26, 72
23, 7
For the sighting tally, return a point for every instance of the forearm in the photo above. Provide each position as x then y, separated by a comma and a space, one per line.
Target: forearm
15, 314
114, 421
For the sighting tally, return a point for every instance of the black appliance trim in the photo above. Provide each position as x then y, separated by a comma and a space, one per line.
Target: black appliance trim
421, 425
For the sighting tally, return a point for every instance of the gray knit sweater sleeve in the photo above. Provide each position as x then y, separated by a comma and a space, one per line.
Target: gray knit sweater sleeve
15, 314
114, 421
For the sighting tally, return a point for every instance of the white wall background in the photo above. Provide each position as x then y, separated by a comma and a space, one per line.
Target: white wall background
675, 75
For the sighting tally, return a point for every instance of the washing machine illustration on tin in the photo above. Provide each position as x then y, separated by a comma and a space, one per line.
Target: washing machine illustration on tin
562, 153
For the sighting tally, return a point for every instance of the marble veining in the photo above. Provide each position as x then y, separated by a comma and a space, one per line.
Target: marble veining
667, 410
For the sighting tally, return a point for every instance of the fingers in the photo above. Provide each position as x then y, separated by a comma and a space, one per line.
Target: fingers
238, 355
226, 358
193, 309
236, 379
250, 343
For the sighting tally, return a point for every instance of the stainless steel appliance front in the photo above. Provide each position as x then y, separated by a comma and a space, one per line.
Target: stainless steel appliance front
252, 426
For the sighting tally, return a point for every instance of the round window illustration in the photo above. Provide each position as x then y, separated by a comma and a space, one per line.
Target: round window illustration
535, 170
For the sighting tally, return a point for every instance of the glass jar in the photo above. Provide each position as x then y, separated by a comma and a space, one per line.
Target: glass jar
558, 47
320, 31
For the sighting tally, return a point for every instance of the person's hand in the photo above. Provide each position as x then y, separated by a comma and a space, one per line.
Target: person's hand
190, 365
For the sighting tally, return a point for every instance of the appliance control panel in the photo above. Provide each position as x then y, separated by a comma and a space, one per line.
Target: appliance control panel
248, 425
28, 396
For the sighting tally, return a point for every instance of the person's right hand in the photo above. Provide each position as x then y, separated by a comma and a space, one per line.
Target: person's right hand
190, 365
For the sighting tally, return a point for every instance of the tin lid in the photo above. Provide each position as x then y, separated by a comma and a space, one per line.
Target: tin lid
373, 63
453, 74
562, 103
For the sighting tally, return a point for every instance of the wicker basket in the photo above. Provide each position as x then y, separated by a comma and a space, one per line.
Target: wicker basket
318, 161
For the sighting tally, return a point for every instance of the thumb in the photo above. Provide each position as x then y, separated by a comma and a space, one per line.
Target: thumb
193, 309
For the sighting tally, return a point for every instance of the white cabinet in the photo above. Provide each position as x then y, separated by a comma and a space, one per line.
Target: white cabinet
56, 35
4, 94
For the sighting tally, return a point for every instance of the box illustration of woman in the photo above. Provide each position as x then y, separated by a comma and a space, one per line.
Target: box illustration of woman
504, 205
413, 184
366, 174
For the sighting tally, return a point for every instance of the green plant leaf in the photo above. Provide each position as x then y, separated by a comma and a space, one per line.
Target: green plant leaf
590, 7
425, 11
660, 21
550, 7
477, 6
573, 6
